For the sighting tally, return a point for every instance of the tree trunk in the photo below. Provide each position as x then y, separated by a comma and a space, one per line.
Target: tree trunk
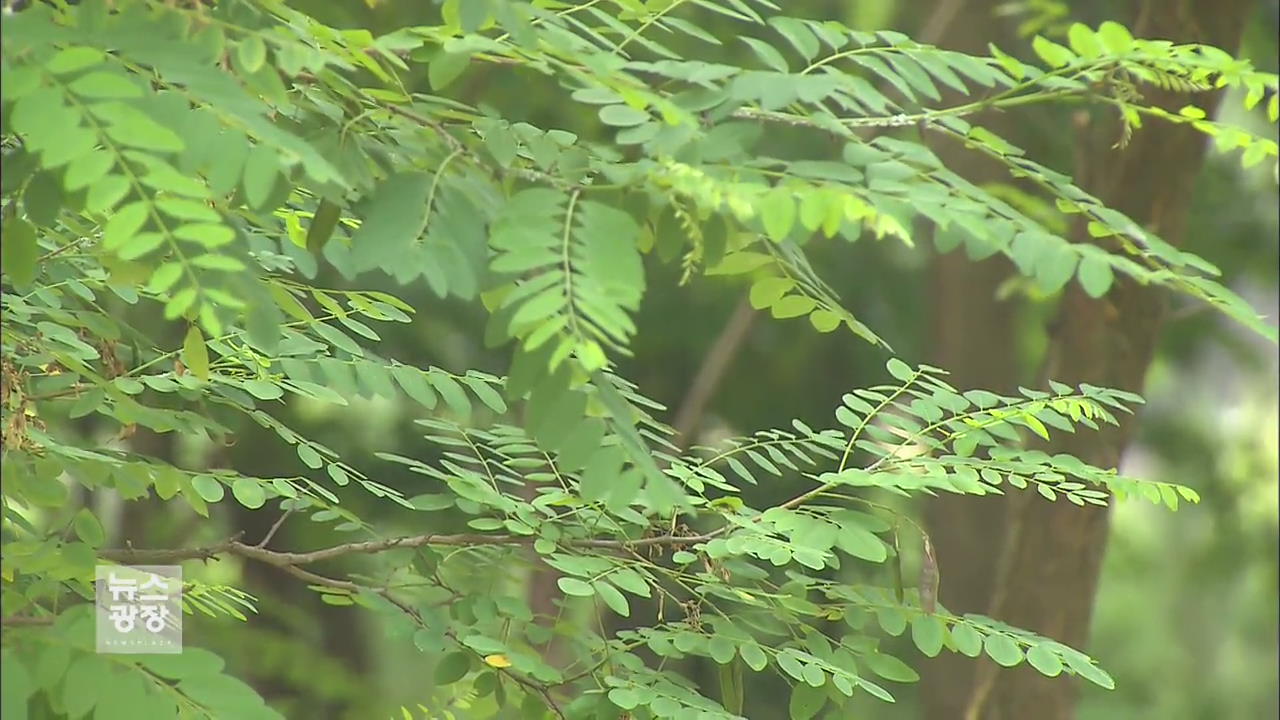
1052, 552
972, 336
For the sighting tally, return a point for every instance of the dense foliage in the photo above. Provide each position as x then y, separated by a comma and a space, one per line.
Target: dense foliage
176, 178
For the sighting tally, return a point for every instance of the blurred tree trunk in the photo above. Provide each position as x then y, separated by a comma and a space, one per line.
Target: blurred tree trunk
973, 336
1050, 554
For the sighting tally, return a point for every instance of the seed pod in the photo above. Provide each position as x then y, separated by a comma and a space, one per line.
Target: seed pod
928, 577
898, 591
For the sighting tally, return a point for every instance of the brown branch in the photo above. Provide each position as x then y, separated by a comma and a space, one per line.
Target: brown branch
58, 251
457, 146
27, 620
283, 559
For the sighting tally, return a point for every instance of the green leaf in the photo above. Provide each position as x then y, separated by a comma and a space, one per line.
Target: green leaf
472, 16
793, 306
1115, 37
123, 225
225, 695
452, 668
1095, 276
1051, 52
806, 701
753, 656
106, 193
140, 245
824, 321
625, 698
662, 491
86, 678
190, 662
51, 666
796, 33
102, 85
1036, 426
487, 395
1044, 659
195, 354
1085, 668
767, 54
451, 391
208, 488
600, 475
861, 543
248, 492
576, 587
18, 686
1002, 649
88, 169
445, 68
1054, 267
123, 698
395, 214
968, 641
338, 339
900, 370
580, 445
19, 251
890, 668
415, 385
1083, 41
88, 528
263, 389
927, 633
322, 225
261, 168
130, 126
184, 209
614, 599
623, 116
251, 54
208, 235
213, 262
309, 456
778, 212
69, 60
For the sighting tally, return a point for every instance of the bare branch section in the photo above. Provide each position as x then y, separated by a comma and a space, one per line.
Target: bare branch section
27, 620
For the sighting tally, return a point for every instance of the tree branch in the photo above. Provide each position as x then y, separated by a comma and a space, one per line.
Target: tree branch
283, 559
27, 620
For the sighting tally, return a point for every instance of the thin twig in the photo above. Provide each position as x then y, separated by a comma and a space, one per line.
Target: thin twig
281, 559
58, 251
417, 618
276, 526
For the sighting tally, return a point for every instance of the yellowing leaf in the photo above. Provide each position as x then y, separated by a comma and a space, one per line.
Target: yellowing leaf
498, 661
1036, 426
1052, 53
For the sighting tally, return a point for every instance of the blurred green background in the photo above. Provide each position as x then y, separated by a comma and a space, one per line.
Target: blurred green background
1186, 618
